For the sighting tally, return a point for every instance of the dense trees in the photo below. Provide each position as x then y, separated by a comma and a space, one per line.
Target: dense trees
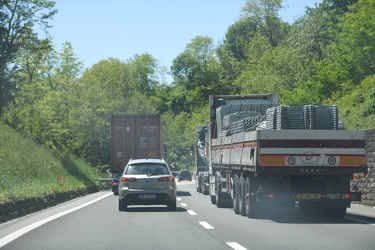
326, 56
17, 20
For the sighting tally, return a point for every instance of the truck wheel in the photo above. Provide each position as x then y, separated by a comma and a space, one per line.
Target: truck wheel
241, 196
204, 190
251, 209
218, 186
199, 185
122, 206
235, 197
213, 199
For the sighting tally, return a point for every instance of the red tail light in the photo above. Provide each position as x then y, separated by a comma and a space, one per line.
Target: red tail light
128, 179
346, 196
271, 196
166, 178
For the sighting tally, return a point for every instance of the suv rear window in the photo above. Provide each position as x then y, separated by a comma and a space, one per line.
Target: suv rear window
146, 168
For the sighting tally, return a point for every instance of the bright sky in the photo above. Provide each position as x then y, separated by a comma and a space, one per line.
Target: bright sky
101, 29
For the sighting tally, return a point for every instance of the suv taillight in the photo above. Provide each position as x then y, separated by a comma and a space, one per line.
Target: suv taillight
166, 178
128, 179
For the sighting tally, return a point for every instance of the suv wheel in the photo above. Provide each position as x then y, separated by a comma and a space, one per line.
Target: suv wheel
172, 206
122, 206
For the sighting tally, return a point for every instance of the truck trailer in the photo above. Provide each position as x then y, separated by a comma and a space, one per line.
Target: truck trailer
264, 155
134, 137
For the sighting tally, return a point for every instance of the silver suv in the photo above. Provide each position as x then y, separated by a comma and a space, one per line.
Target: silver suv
147, 182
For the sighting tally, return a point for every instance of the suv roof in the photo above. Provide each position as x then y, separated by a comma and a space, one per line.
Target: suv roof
147, 160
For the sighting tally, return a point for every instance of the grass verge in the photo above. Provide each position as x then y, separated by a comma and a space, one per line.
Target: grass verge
29, 170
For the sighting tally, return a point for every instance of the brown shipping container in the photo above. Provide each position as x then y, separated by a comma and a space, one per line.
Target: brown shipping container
135, 137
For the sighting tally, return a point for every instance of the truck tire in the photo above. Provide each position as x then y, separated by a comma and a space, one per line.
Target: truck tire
251, 208
241, 198
199, 185
203, 186
218, 187
235, 198
213, 200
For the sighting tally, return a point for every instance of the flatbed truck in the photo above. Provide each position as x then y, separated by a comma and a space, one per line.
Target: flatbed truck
263, 155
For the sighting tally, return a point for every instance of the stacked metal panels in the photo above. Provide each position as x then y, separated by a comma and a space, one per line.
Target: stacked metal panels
234, 117
321, 117
247, 124
237, 118
289, 117
303, 117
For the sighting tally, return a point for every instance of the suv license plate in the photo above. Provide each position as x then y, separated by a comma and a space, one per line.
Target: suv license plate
147, 196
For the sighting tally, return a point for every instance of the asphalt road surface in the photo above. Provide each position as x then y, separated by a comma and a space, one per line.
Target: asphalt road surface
94, 222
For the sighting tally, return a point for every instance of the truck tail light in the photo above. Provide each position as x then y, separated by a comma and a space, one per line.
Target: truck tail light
128, 179
166, 178
346, 196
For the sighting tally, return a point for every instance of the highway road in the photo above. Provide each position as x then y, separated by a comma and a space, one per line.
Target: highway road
94, 222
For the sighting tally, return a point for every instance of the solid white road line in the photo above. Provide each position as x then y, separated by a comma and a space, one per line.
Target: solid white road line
206, 225
236, 246
22, 231
191, 212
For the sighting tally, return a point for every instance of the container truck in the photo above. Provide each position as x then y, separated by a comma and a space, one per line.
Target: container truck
134, 137
266, 155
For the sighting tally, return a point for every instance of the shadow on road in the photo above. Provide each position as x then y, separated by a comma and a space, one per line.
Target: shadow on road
293, 216
183, 193
153, 209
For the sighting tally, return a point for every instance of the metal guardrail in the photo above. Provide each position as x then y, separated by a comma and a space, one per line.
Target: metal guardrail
104, 183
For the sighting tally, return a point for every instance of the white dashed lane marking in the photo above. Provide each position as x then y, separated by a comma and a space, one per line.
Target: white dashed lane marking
236, 246
206, 225
191, 212
233, 245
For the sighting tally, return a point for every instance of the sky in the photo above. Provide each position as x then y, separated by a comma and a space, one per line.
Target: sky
100, 29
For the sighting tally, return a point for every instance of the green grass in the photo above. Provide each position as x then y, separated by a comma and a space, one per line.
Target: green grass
30, 170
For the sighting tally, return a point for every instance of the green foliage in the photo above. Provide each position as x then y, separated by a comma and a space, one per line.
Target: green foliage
178, 137
17, 19
30, 170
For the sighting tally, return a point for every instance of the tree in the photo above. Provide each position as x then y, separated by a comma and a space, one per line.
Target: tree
17, 20
145, 69
265, 14
351, 57
232, 53
196, 70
